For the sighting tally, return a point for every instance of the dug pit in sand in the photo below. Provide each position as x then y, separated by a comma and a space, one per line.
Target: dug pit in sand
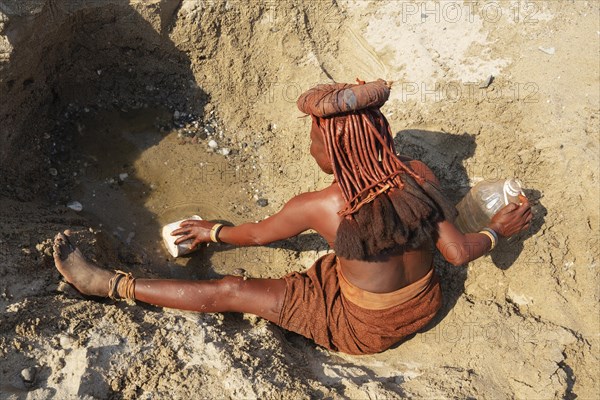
75, 77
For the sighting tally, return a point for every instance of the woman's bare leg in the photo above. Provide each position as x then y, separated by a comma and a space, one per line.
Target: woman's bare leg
262, 297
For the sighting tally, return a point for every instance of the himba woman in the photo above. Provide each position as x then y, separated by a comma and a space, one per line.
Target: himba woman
382, 215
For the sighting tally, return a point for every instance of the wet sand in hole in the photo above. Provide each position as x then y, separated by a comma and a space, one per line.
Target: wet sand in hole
136, 178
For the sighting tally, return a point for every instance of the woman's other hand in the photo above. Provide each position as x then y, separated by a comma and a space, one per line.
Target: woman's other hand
513, 218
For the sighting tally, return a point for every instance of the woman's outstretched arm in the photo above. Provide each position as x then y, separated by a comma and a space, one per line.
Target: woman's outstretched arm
295, 217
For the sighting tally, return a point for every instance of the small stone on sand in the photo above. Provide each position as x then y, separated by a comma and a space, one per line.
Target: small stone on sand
65, 341
485, 84
262, 202
75, 206
28, 376
547, 50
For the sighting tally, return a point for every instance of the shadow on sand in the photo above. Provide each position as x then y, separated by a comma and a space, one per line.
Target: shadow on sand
446, 154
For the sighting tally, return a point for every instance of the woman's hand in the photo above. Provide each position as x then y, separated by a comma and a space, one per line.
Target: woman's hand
196, 231
513, 218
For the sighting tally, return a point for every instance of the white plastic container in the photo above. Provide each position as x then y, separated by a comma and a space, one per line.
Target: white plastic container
484, 200
182, 248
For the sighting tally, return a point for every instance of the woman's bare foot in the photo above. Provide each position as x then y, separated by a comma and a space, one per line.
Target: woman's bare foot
85, 276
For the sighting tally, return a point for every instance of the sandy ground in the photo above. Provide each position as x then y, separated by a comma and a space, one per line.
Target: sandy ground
114, 103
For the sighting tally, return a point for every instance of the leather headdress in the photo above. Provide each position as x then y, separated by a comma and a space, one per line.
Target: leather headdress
327, 100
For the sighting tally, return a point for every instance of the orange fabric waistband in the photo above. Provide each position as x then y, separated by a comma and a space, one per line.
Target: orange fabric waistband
381, 301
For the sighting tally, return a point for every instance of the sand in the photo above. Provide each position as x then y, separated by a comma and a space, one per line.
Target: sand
114, 103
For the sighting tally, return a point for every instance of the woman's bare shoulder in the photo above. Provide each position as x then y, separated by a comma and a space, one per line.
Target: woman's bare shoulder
329, 200
333, 193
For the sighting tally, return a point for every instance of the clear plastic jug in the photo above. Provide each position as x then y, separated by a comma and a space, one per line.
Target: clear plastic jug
476, 209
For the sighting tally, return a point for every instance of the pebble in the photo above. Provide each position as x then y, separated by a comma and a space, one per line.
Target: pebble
176, 114
65, 341
123, 176
28, 376
75, 206
487, 82
130, 237
262, 202
225, 151
212, 144
53, 171
547, 50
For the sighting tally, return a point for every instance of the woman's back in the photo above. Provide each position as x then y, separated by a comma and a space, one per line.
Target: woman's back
382, 276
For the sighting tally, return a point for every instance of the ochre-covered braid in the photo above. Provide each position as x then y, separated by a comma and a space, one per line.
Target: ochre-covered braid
365, 163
